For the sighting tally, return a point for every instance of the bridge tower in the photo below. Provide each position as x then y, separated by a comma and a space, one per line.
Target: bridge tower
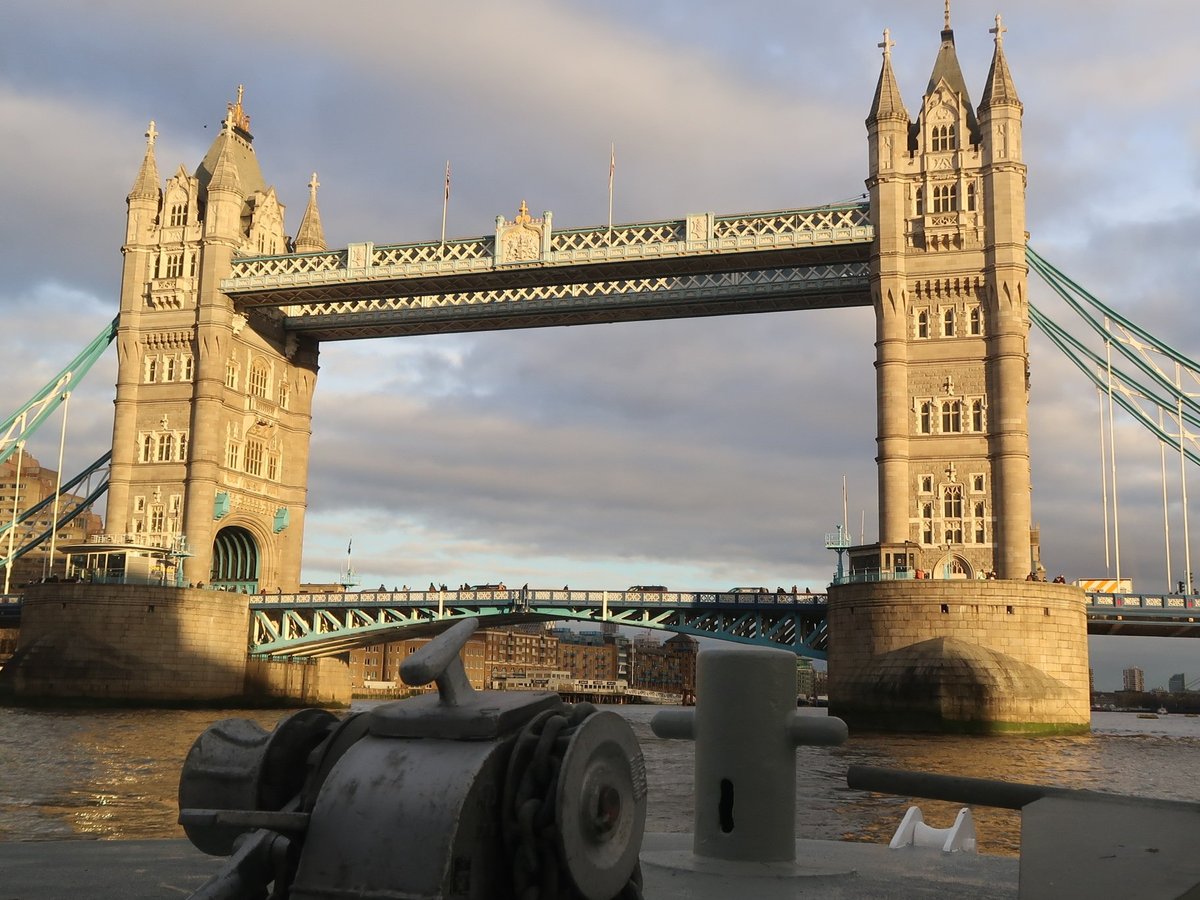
948, 281
213, 408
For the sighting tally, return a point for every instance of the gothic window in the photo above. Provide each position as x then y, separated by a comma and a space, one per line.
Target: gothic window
920, 201
977, 484
975, 320
233, 455
980, 525
925, 419
954, 533
176, 502
952, 502
139, 503
169, 366
147, 448
178, 214
944, 137
151, 369
231, 374
183, 440
948, 317
926, 484
273, 466
192, 265
139, 525
284, 394
258, 379
977, 415
254, 457
156, 518
923, 323
166, 447
951, 417
186, 367
174, 267
945, 198
971, 196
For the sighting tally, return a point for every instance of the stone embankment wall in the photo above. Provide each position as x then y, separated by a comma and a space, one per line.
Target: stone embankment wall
144, 644
985, 656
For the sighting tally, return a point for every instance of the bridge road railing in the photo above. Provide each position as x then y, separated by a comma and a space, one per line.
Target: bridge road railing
1160, 615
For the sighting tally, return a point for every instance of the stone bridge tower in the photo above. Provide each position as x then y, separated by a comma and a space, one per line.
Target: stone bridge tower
952, 323
948, 277
213, 408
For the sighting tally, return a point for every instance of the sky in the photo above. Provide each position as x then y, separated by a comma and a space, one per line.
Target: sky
699, 454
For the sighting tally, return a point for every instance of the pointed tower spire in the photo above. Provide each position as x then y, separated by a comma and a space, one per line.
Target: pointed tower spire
947, 69
146, 185
311, 237
887, 103
999, 90
225, 173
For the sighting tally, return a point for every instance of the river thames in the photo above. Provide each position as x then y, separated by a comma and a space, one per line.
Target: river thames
113, 774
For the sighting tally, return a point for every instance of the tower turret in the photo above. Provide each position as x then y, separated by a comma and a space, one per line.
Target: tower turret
310, 238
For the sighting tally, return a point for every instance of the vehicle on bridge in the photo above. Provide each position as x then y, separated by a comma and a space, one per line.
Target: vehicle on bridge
748, 590
647, 589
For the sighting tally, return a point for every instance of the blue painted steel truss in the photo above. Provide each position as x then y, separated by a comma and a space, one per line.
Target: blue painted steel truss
327, 624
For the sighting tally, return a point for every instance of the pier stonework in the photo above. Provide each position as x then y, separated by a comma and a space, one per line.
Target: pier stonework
985, 657
161, 646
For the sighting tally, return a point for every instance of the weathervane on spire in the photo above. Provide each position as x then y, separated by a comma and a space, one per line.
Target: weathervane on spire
998, 31
887, 44
151, 134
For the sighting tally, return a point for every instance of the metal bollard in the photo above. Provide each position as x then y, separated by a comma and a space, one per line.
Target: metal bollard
746, 728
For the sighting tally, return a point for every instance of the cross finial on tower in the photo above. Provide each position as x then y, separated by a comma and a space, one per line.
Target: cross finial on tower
151, 134
947, 15
242, 87
522, 214
998, 31
313, 185
887, 44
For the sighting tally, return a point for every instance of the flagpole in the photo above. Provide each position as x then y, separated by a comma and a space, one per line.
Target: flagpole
445, 201
612, 167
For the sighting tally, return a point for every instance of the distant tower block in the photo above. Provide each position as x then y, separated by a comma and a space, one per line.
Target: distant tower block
943, 630
213, 408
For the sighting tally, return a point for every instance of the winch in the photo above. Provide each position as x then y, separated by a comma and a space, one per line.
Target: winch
460, 794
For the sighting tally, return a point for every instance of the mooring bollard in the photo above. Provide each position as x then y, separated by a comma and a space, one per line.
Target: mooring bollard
746, 728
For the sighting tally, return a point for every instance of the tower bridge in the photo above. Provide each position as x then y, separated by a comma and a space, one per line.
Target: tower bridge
222, 314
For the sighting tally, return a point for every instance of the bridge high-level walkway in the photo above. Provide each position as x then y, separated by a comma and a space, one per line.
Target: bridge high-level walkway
529, 275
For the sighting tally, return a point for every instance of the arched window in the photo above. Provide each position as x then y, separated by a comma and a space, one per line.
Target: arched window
183, 440
285, 394
174, 265
179, 213
258, 379
945, 198
971, 192
231, 374
948, 321
975, 321
952, 501
169, 364
977, 415
187, 367
151, 369
951, 417
944, 137
923, 323
920, 201
980, 525
166, 447
148, 448
925, 420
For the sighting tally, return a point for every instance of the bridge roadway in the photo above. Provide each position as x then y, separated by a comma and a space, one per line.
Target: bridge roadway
529, 275
325, 624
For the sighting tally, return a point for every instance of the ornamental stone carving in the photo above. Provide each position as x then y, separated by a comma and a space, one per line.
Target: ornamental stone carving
524, 239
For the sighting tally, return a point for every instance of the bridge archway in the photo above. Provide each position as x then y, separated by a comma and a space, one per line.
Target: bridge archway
953, 567
236, 561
